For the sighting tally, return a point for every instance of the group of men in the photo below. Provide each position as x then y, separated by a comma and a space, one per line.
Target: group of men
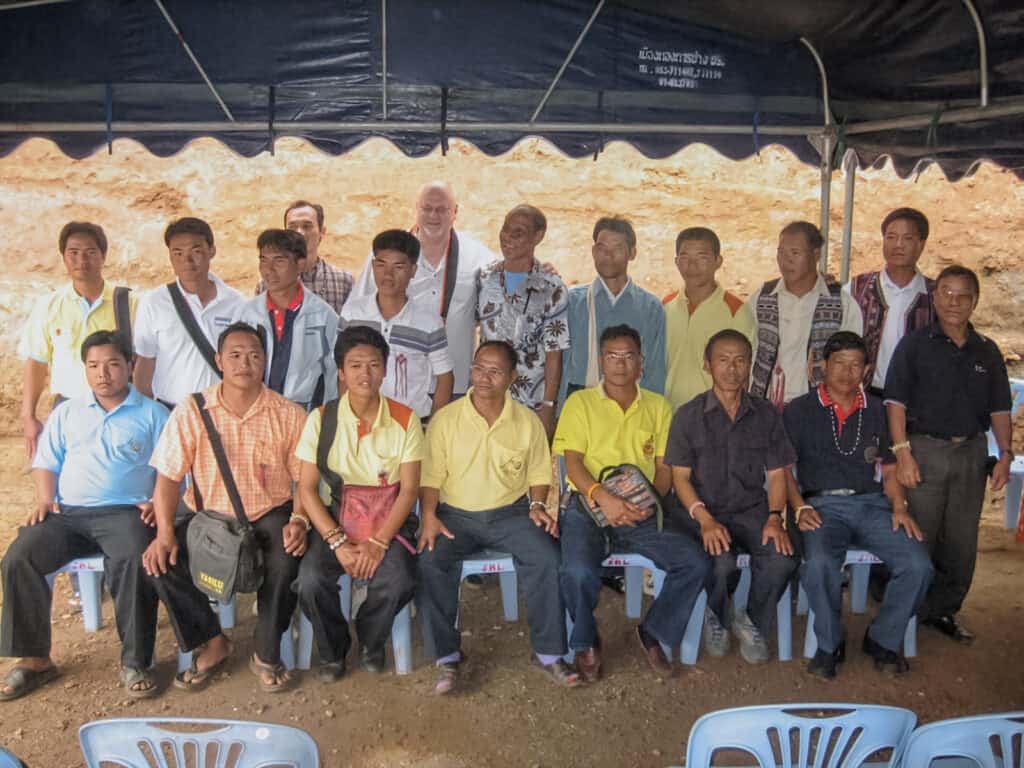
719, 414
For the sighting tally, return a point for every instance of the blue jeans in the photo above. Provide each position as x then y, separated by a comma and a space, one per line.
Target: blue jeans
584, 546
863, 521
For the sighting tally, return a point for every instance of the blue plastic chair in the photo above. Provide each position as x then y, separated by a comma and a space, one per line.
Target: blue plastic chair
1011, 505
8, 760
138, 742
970, 738
853, 731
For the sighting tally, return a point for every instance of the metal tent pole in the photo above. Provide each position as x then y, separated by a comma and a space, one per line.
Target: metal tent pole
384, 54
982, 52
826, 154
850, 167
565, 64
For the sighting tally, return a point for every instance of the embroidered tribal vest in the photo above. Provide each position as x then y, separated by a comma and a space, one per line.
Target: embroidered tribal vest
866, 290
828, 317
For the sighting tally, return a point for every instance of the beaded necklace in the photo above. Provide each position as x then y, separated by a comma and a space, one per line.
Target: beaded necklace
835, 431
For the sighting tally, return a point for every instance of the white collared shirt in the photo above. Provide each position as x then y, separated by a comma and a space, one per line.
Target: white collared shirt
159, 333
898, 300
613, 297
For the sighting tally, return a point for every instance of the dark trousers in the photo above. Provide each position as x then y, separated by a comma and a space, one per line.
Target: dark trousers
392, 586
947, 505
770, 571
863, 521
507, 529
122, 537
585, 545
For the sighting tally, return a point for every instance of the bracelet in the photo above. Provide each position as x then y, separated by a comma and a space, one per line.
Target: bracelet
590, 492
696, 505
379, 543
333, 545
547, 404
334, 532
542, 504
900, 446
303, 520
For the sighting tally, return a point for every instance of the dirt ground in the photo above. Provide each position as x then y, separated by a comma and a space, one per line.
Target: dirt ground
507, 714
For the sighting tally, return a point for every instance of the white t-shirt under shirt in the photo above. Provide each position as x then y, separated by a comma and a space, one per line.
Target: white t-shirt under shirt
159, 333
419, 348
898, 300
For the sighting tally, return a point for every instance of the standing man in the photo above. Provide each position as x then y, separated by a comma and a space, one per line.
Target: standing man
52, 339
613, 299
419, 370
796, 314
299, 326
376, 449
485, 486
720, 447
179, 323
897, 299
331, 284
93, 490
526, 306
946, 386
698, 312
849, 497
259, 430
446, 273
618, 422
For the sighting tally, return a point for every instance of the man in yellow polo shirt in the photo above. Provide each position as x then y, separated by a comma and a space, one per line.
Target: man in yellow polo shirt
485, 453
376, 451
696, 313
60, 322
611, 424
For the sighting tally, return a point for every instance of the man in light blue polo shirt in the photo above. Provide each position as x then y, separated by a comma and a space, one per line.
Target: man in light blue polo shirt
93, 486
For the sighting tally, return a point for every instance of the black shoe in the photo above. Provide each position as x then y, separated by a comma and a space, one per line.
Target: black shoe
373, 661
614, 583
890, 662
949, 626
331, 671
474, 580
824, 663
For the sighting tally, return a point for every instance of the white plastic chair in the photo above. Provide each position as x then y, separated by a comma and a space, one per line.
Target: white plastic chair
138, 742
970, 738
799, 735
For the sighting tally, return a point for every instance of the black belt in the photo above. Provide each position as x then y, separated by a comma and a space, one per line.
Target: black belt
949, 438
833, 492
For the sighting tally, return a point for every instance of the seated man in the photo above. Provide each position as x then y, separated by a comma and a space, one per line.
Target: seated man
485, 453
849, 497
94, 485
375, 448
720, 446
299, 326
616, 423
259, 430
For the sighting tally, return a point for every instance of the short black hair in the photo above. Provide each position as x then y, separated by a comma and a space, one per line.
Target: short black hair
95, 231
623, 331
509, 351
534, 214
843, 340
726, 334
358, 336
284, 240
319, 209
912, 215
958, 270
702, 234
240, 326
810, 232
117, 339
616, 224
189, 225
397, 240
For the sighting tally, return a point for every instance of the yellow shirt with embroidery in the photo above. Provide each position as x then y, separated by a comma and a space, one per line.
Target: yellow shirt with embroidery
477, 467
371, 458
593, 424
58, 325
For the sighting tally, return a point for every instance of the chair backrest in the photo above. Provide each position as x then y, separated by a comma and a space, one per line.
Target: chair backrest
139, 742
8, 760
971, 738
792, 735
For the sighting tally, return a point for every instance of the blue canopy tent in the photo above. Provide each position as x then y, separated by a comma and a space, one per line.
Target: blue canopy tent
913, 80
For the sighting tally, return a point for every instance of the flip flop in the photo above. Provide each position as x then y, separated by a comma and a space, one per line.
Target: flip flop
279, 673
198, 678
22, 680
131, 676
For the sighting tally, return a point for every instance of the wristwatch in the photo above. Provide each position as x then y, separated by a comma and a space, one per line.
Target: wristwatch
547, 403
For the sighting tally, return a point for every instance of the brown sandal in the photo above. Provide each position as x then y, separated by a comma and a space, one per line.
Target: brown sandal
559, 672
280, 676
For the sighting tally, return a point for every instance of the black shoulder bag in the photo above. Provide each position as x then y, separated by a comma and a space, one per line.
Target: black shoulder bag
194, 331
223, 554
122, 311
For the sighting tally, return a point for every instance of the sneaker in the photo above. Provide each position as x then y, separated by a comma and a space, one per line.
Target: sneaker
716, 636
753, 647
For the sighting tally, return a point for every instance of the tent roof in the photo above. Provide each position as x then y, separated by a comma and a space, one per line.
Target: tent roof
659, 75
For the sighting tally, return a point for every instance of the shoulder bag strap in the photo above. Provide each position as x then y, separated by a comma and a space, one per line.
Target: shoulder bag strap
328, 429
222, 462
451, 274
122, 311
194, 331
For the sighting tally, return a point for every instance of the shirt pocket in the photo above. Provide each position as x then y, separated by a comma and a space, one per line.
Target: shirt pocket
509, 465
643, 447
749, 462
128, 445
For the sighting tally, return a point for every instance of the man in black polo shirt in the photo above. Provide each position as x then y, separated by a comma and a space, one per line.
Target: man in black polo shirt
720, 446
849, 496
946, 385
